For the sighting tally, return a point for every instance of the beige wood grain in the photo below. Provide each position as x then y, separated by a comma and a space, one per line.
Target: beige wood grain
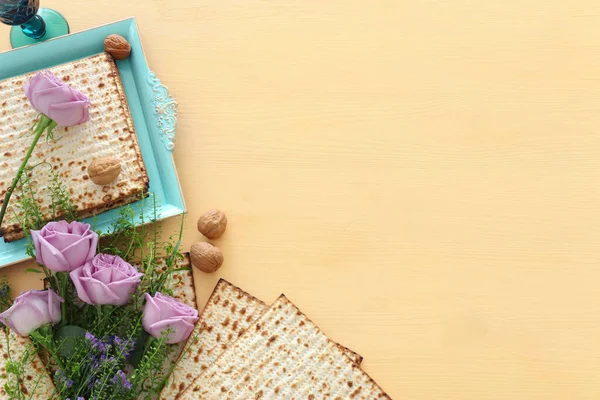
421, 177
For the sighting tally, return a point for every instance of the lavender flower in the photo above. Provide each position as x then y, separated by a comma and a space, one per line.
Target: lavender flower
124, 347
4, 289
61, 379
121, 379
106, 356
97, 344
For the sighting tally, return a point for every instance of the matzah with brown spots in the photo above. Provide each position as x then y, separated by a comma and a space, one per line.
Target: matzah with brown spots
109, 132
182, 285
228, 313
180, 282
284, 355
37, 384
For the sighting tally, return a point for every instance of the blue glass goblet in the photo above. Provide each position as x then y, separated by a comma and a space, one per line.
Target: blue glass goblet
31, 24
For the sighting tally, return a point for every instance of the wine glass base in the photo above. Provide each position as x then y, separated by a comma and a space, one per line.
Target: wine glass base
56, 25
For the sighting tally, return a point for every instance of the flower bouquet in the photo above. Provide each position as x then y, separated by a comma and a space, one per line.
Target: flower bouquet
113, 318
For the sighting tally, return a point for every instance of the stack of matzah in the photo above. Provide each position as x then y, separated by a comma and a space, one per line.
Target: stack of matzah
36, 384
110, 132
279, 355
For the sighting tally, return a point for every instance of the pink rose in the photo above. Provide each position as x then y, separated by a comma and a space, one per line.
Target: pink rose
62, 247
57, 100
31, 310
106, 279
165, 313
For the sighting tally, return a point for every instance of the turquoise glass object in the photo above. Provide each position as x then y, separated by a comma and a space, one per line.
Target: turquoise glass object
31, 24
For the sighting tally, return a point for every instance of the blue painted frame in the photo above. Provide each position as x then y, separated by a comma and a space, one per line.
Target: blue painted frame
154, 114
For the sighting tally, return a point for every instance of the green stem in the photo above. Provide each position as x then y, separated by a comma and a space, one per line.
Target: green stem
99, 311
63, 312
40, 127
63, 282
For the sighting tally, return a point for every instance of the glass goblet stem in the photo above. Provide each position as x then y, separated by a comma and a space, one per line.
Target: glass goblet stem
35, 28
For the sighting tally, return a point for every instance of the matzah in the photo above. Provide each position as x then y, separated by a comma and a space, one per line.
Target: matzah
182, 285
110, 132
180, 282
37, 384
285, 356
228, 313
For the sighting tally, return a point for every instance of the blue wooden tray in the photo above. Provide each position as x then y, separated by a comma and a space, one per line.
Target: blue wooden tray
153, 110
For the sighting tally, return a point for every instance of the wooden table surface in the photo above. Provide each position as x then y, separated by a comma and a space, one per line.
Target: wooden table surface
420, 176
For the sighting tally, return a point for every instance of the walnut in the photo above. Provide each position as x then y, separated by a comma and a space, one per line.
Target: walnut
103, 171
117, 46
212, 223
206, 257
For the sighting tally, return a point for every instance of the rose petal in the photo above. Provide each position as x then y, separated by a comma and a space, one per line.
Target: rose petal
54, 301
170, 306
49, 75
76, 275
151, 312
77, 253
180, 329
35, 237
98, 292
103, 275
25, 319
69, 113
38, 82
44, 98
79, 228
93, 236
60, 240
53, 227
123, 289
81, 97
5, 317
117, 274
51, 257
168, 311
38, 299
156, 329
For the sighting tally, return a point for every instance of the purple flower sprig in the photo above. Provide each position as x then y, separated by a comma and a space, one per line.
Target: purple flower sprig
61, 380
120, 381
106, 358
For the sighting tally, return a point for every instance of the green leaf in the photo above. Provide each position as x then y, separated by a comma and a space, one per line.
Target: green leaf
37, 271
67, 337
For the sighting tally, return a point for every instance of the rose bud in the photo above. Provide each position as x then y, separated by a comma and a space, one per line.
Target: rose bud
57, 100
62, 247
164, 313
106, 279
31, 310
